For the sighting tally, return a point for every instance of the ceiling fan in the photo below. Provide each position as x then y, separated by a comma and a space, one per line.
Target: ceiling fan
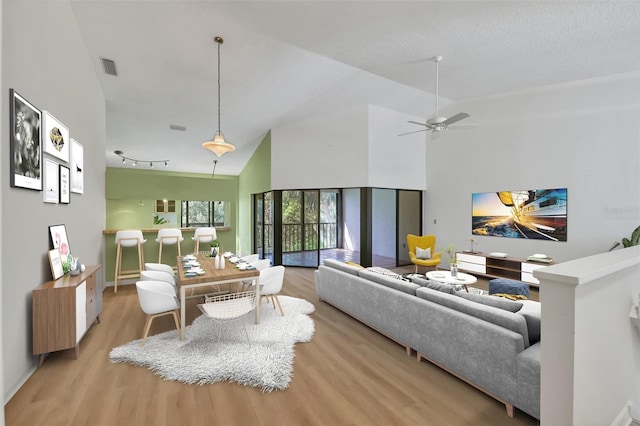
437, 123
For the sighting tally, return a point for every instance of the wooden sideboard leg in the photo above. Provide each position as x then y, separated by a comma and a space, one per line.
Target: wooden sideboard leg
510, 411
408, 350
76, 351
41, 360
98, 318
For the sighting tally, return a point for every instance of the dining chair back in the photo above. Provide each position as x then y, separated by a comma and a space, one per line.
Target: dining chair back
157, 298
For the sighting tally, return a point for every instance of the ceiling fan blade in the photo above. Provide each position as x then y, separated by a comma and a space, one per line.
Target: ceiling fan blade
420, 124
455, 118
416, 131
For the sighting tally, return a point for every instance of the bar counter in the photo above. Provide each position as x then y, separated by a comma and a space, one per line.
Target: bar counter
151, 248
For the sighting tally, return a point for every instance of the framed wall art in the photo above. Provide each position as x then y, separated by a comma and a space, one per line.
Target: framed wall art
539, 214
77, 167
25, 123
50, 182
65, 195
56, 264
58, 240
55, 137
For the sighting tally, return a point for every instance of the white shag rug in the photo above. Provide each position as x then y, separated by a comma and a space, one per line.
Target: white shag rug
266, 362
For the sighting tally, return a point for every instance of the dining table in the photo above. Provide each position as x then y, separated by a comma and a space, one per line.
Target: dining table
210, 276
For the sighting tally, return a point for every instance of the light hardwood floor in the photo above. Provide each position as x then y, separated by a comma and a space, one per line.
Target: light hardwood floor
347, 375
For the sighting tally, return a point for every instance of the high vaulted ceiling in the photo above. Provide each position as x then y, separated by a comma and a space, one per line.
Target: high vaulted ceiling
284, 60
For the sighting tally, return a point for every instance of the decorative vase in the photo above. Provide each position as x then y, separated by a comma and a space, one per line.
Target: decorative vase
217, 262
222, 262
454, 269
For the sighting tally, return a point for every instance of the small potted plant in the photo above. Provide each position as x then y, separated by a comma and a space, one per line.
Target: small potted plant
214, 244
450, 251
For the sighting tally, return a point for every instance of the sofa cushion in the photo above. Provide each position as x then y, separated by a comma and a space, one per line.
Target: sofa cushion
389, 281
502, 318
342, 266
496, 302
434, 285
424, 254
531, 311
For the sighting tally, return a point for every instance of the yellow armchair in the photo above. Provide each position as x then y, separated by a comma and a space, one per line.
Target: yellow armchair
423, 242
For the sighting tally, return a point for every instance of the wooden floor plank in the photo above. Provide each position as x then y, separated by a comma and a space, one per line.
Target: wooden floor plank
347, 375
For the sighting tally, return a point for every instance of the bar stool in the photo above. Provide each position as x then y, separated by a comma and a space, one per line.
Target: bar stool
130, 238
203, 235
169, 236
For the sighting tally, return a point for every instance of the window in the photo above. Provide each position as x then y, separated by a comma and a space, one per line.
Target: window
204, 213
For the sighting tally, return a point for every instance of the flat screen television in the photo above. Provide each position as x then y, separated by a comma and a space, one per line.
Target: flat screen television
539, 214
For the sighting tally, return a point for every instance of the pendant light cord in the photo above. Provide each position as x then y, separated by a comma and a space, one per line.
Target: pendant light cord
219, 41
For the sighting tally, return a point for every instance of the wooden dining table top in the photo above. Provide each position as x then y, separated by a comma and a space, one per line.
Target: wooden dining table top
230, 272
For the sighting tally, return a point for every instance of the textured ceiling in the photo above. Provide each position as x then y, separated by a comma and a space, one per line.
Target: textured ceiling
282, 60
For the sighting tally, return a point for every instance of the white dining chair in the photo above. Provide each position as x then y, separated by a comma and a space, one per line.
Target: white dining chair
226, 308
271, 281
159, 267
157, 298
159, 276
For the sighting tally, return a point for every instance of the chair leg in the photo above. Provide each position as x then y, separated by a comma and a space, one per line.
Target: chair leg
118, 266
147, 326
160, 252
275, 296
415, 269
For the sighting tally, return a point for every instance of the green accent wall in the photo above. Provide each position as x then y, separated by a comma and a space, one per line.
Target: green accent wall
255, 178
130, 197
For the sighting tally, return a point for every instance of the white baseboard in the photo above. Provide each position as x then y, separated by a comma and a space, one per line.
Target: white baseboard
9, 394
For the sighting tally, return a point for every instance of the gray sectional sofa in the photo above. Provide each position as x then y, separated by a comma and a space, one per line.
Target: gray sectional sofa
489, 342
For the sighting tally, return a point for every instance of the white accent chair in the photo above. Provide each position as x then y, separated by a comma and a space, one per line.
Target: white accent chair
230, 307
203, 235
157, 298
169, 236
129, 238
250, 258
271, 280
259, 264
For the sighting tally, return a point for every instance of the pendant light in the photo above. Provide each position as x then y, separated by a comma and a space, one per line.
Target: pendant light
218, 145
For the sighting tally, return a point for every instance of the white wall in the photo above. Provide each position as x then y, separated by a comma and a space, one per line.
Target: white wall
395, 161
584, 136
44, 60
355, 146
321, 152
591, 353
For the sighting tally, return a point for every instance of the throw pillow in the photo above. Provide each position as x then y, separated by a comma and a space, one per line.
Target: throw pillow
355, 265
424, 254
383, 271
433, 285
496, 302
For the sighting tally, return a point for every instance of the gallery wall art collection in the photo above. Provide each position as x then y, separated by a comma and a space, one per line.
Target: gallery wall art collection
43, 157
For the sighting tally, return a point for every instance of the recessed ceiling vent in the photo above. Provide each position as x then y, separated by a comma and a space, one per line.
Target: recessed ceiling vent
177, 127
109, 66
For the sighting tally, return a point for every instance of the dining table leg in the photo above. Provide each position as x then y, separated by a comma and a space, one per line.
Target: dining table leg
182, 312
256, 282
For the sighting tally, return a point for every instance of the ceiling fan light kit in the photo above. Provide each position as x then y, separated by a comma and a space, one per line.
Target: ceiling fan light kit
437, 123
218, 145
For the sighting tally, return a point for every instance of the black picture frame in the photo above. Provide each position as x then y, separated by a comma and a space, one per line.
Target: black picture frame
65, 184
58, 240
25, 141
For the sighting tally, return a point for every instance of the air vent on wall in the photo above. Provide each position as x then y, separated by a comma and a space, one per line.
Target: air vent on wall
177, 127
109, 66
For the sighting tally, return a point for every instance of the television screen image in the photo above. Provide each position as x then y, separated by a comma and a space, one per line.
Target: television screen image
535, 214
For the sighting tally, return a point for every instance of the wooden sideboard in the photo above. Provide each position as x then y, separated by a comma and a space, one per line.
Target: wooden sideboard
64, 309
499, 267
